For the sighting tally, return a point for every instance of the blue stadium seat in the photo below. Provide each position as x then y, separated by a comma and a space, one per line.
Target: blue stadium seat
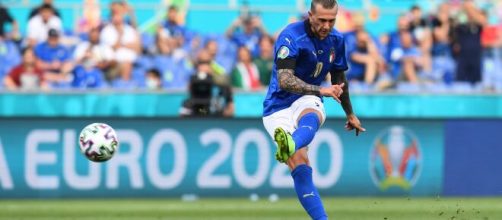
438, 87
461, 87
227, 54
139, 75
148, 41
175, 74
405, 87
145, 62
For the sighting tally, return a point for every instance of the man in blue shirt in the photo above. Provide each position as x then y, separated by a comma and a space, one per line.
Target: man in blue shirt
305, 53
54, 59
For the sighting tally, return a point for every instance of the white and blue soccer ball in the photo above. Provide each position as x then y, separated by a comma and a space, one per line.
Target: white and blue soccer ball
98, 142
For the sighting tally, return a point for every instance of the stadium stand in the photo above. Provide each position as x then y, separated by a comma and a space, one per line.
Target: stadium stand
407, 46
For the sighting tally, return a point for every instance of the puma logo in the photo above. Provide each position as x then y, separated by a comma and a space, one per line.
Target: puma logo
309, 195
309, 127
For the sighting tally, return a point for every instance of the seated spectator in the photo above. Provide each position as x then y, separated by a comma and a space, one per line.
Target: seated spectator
92, 60
125, 41
6, 18
171, 35
172, 47
26, 76
406, 60
393, 39
364, 59
35, 11
164, 45
153, 80
9, 56
95, 53
206, 98
40, 24
245, 74
55, 59
246, 31
492, 58
171, 26
265, 61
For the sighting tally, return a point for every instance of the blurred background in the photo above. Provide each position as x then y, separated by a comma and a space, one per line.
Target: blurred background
182, 82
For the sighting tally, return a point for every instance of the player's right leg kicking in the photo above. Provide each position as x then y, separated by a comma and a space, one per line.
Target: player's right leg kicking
291, 150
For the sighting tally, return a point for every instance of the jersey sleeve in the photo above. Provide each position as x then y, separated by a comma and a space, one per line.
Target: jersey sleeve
66, 55
285, 51
340, 63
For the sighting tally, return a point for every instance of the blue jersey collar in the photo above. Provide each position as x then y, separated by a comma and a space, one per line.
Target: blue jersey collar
308, 28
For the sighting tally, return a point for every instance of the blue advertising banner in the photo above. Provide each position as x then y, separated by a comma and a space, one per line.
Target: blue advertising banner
215, 157
473, 158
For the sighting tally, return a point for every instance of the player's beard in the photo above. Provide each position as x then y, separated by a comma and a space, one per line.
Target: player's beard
323, 32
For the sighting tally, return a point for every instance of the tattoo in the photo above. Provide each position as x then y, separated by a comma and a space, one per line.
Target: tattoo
338, 78
289, 82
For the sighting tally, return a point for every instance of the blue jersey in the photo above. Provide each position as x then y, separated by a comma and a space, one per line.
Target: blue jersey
314, 58
47, 53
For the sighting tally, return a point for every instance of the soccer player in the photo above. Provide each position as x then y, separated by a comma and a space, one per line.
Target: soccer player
305, 53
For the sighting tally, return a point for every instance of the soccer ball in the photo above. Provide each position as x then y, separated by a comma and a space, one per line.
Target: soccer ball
98, 142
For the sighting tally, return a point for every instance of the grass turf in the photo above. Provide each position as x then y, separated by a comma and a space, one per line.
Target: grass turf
285, 208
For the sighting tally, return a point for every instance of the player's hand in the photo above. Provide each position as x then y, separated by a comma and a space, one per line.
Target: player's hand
334, 91
354, 123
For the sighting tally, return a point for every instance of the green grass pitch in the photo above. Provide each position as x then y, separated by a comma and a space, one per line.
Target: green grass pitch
285, 208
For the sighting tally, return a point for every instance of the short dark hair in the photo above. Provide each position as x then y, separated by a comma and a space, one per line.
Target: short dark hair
328, 4
415, 7
154, 72
46, 7
27, 49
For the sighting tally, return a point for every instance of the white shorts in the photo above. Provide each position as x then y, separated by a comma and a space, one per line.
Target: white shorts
287, 118
125, 55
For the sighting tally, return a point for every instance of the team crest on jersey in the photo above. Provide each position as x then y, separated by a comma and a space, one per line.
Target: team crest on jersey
283, 52
332, 55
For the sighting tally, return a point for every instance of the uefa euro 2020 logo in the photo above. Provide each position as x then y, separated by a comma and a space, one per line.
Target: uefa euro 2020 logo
395, 159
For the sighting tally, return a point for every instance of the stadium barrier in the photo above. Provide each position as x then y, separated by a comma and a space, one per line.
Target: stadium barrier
40, 158
416, 145
247, 104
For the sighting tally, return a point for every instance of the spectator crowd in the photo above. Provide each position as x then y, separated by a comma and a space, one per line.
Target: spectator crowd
453, 46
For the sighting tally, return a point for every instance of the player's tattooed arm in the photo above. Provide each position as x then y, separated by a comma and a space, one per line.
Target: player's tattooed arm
338, 78
289, 82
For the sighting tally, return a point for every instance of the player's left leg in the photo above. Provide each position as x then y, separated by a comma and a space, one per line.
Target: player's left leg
300, 166
307, 125
306, 115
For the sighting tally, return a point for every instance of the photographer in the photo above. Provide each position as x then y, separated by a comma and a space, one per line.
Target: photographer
206, 97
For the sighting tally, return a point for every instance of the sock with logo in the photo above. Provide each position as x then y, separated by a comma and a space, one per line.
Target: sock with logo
307, 127
307, 193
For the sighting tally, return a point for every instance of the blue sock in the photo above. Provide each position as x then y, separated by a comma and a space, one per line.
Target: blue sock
307, 193
307, 127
